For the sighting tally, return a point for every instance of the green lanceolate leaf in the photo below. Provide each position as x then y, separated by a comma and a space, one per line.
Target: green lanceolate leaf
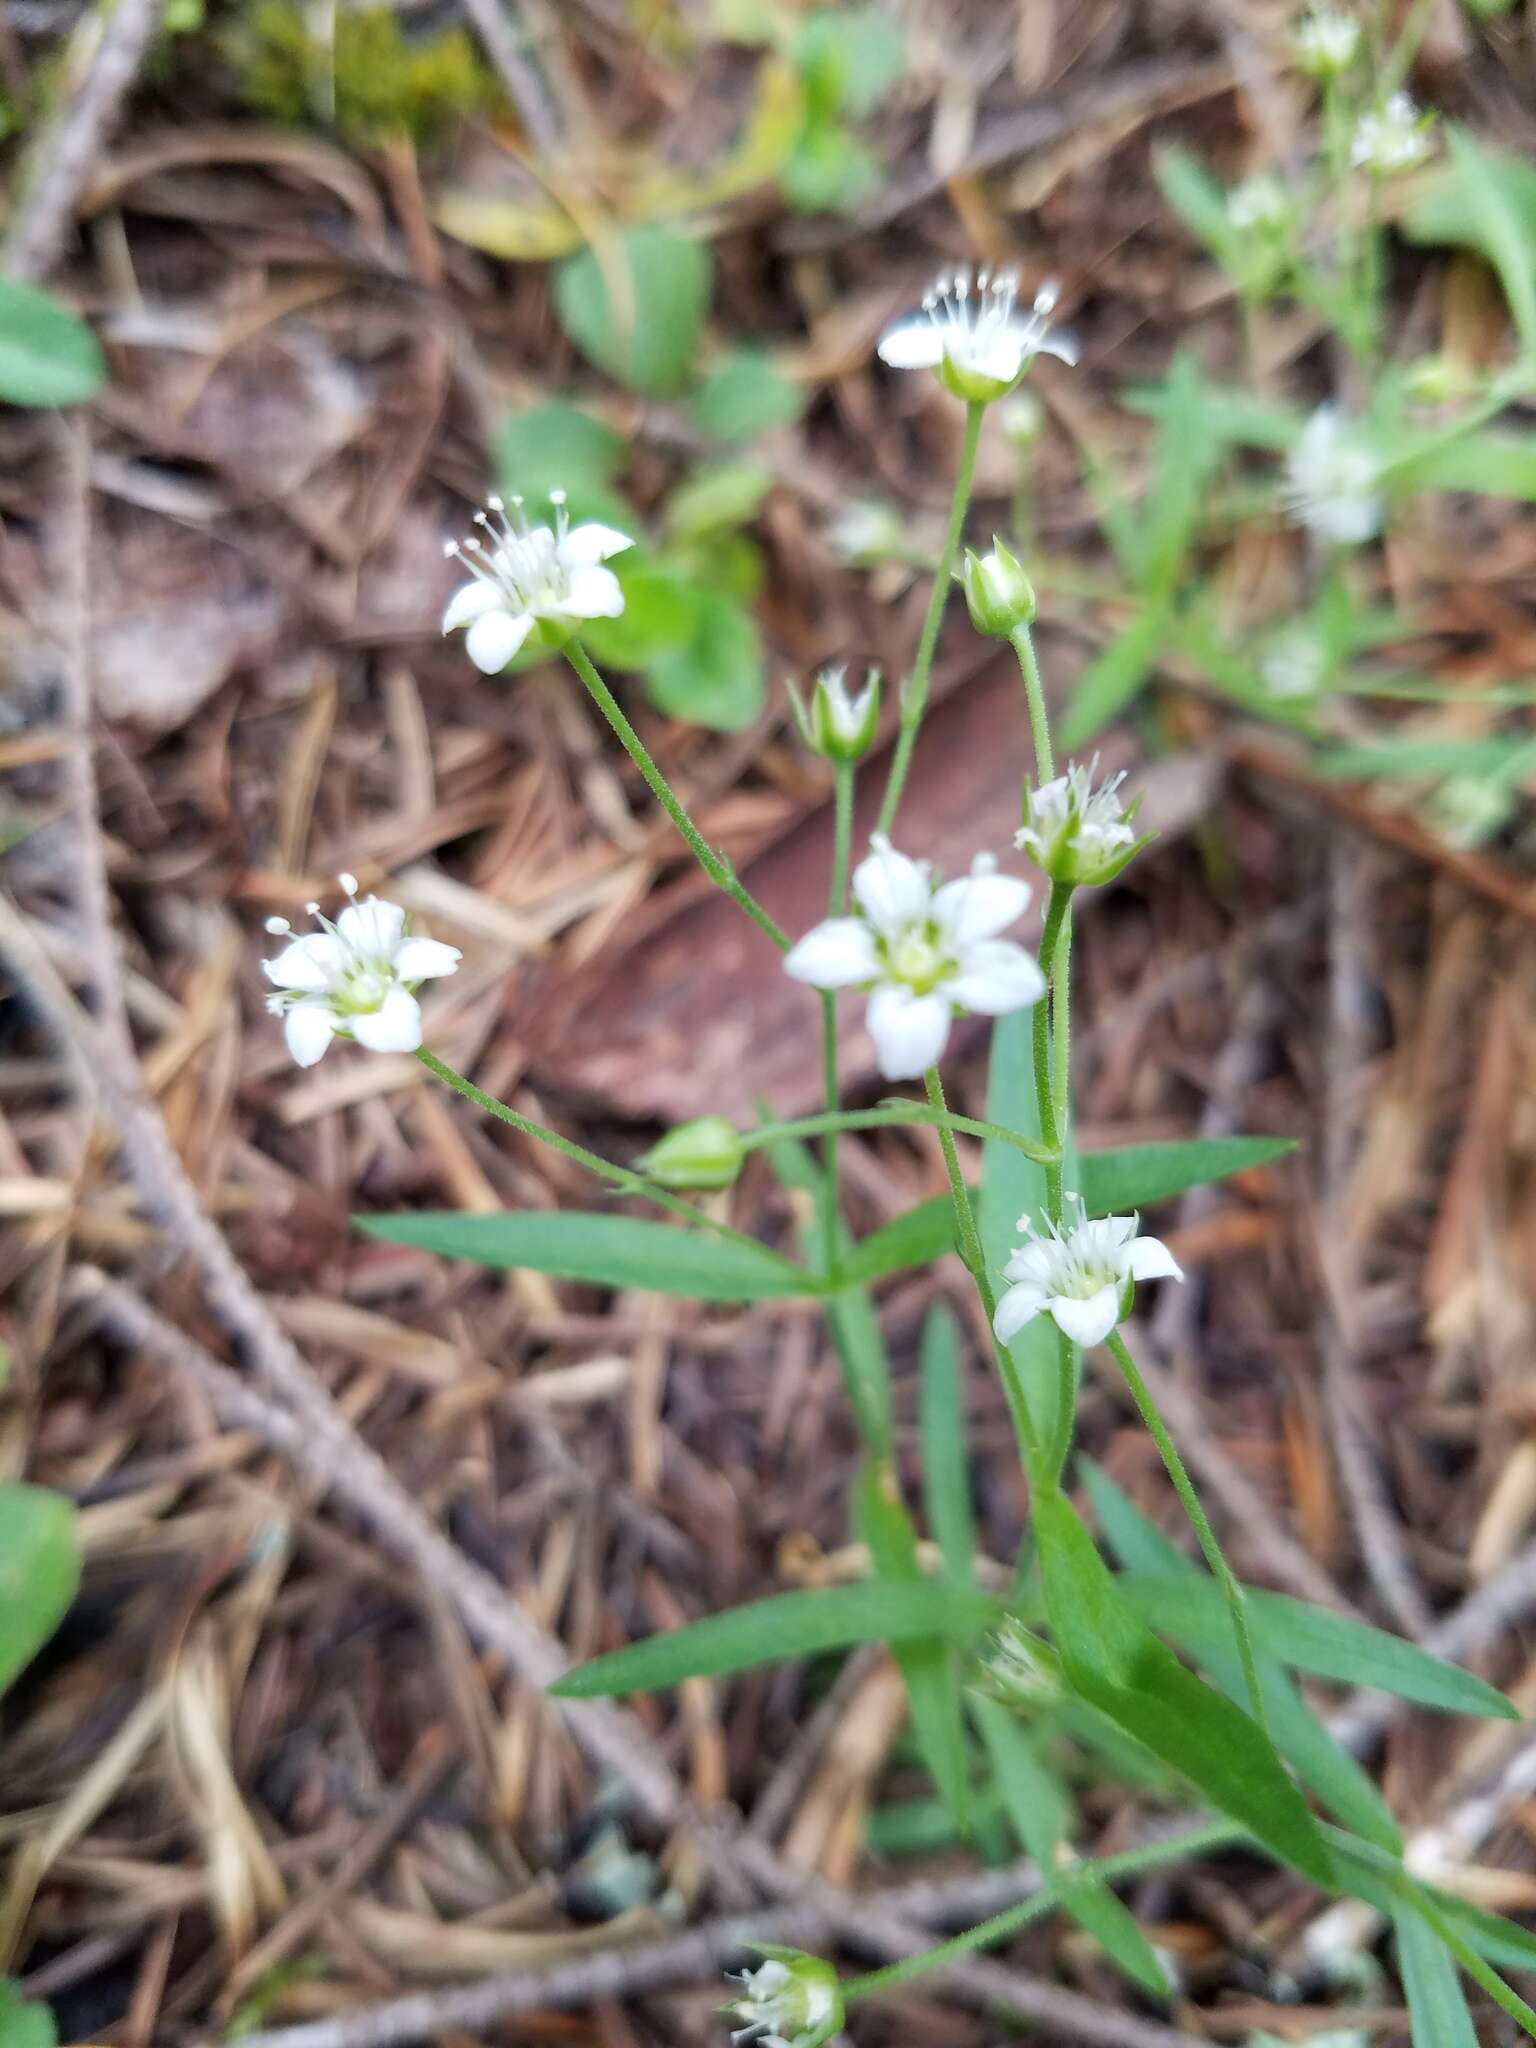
1127, 1177
1041, 1813
1109, 683
637, 313
788, 1625
1114, 1662
1300, 1737
47, 355
941, 1427
39, 1572
1135, 1176
1436, 2004
605, 1251
1191, 1608
929, 1670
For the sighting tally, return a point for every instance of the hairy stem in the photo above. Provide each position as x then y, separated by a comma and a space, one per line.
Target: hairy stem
714, 865
1023, 643
976, 1264
915, 697
1198, 1520
621, 1178
831, 1208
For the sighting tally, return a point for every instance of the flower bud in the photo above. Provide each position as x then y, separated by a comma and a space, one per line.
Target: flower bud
838, 726
791, 1999
706, 1153
998, 594
1080, 836
1020, 1670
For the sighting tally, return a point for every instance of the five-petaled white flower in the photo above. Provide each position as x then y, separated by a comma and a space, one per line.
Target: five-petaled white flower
531, 580
924, 951
1327, 42
974, 334
1082, 1273
1078, 834
1333, 479
791, 2000
1392, 137
356, 978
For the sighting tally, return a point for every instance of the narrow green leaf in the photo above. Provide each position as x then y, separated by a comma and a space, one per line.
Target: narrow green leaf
1042, 1815
1013, 1186
851, 1318
1436, 2004
1115, 1663
1109, 683
1135, 1176
1485, 199
1305, 1638
39, 1572
1300, 1737
605, 1251
638, 314
941, 1427
788, 1625
48, 356
928, 1670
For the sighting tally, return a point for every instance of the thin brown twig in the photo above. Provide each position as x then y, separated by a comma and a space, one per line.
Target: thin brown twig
65, 153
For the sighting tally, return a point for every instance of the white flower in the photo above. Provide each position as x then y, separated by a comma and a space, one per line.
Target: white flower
975, 336
1078, 834
789, 2001
356, 978
924, 952
1259, 202
1294, 664
1327, 42
527, 579
1081, 1274
1333, 479
1393, 137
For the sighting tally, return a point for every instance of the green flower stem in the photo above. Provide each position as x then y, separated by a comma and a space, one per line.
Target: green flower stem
892, 1116
618, 1177
831, 1207
976, 1264
1023, 644
1198, 1520
718, 870
915, 697
1096, 1870
1045, 1085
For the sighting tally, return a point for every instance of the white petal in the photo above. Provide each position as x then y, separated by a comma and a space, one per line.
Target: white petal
494, 638
471, 601
307, 964
309, 1029
421, 959
837, 953
980, 906
594, 594
395, 1026
890, 889
1020, 1305
1087, 1322
915, 343
1150, 1259
995, 978
372, 928
909, 1030
591, 543
996, 352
